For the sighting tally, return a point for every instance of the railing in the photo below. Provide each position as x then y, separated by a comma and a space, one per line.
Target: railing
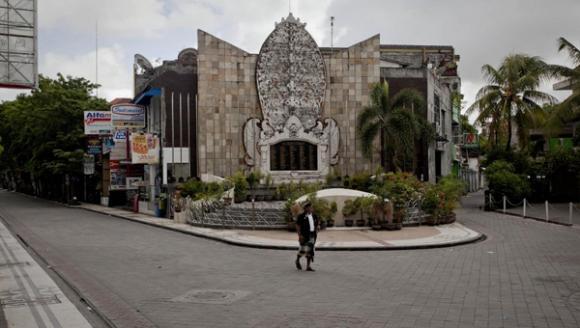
560, 213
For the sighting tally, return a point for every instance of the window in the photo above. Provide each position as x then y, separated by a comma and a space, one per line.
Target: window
436, 109
293, 156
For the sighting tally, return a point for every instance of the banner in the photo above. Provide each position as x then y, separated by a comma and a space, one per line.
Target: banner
144, 149
119, 150
98, 123
128, 116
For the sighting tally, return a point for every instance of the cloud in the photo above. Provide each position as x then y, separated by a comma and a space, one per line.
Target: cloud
115, 75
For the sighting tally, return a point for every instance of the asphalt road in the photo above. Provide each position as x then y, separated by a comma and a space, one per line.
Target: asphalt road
526, 274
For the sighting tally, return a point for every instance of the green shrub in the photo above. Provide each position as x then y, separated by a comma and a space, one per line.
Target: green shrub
197, 189
503, 180
361, 181
241, 186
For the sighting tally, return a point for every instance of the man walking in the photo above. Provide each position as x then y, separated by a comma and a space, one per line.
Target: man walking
307, 226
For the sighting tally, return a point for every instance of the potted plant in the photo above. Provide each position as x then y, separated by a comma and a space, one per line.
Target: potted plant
333, 210
348, 210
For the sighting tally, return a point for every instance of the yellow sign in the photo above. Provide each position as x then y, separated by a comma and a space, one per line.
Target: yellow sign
144, 149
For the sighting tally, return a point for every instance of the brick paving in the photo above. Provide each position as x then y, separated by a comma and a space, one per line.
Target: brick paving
526, 274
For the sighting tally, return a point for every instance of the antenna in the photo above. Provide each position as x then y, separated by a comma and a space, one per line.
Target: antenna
289, 6
97, 56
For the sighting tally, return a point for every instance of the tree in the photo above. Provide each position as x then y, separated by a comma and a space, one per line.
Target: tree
42, 133
512, 97
393, 120
569, 109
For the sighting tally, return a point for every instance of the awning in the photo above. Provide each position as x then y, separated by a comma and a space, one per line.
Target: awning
145, 97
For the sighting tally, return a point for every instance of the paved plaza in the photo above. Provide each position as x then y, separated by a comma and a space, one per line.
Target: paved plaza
525, 274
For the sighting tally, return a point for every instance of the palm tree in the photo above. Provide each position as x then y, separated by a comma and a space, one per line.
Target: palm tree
512, 96
570, 107
393, 120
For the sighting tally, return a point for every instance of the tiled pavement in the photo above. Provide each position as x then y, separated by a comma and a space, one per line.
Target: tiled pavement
526, 274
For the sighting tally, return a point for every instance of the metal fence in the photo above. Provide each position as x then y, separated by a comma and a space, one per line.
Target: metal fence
561, 213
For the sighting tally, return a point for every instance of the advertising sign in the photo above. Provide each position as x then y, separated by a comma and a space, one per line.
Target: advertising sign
128, 116
89, 165
118, 176
470, 140
94, 146
98, 123
119, 150
144, 149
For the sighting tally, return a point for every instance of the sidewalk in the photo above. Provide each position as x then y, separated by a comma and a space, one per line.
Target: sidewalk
28, 296
336, 239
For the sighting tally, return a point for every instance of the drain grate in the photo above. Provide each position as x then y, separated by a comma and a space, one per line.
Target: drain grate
211, 296
19, 302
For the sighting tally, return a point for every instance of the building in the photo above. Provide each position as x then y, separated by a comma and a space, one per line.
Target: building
289, 111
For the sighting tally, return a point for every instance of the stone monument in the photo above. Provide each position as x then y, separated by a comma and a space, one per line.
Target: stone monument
291, 140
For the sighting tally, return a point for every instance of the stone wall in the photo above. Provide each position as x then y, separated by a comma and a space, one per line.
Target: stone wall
227, 99
352, 72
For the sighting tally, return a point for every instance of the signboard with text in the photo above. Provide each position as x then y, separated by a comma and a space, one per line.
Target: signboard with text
118, 176
128, 116
119, 150
98, 123
144, 149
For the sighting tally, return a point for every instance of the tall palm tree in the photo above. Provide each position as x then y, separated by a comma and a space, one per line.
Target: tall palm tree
570, 107
393, 120
512, 96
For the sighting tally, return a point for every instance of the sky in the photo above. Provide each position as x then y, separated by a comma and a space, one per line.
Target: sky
482, 31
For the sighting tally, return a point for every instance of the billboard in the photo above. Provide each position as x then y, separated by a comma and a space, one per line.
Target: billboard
18, 44
128, 116
98, 123
144, 149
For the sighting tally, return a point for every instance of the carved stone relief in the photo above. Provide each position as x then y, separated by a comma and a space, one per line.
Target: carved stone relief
291, 83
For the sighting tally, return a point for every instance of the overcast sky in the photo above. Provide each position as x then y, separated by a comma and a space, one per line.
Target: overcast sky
482, 31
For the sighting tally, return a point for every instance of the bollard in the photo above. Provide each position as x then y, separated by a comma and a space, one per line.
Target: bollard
547, 212
253, 214
525, 207
504, 203
570, 213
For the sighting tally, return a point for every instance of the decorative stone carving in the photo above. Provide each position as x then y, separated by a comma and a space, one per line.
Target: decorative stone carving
291, 83
290, 75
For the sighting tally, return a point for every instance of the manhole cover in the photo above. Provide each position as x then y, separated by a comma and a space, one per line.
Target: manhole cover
211, 296
18, 302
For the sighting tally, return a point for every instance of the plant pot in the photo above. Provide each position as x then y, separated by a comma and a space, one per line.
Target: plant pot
348, 222
292, 226
330, 223
360, 223
377, 226
384, 224
323, 225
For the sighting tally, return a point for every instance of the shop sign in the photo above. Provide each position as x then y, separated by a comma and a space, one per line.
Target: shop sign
144, 149
128, 116
98, 123
133, 183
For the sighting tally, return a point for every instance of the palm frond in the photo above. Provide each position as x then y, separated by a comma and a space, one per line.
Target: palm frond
408, 98
573, 52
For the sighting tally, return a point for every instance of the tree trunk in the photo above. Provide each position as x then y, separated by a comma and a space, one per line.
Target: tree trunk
509, 135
